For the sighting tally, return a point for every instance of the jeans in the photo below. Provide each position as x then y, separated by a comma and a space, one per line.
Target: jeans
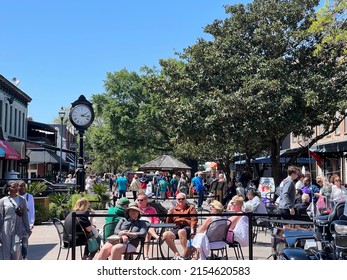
25, 245
122, 193
201, 197
135, 195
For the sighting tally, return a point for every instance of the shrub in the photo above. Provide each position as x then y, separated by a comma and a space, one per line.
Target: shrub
36, 188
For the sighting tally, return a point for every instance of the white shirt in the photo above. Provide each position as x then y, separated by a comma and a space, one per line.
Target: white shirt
31, 207
299, 185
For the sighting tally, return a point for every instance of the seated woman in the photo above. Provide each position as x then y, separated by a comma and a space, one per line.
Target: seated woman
238, 230
256, 205
199, 245
131, 229
81, 207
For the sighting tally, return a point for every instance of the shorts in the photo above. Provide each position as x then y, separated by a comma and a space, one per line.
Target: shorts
176, 229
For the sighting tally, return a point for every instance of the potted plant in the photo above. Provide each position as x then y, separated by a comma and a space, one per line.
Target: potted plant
59, 206
41, 203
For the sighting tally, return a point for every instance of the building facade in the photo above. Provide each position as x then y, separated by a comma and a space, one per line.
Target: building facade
332, 149
13, 123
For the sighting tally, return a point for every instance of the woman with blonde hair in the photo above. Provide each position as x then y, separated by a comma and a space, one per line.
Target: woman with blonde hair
238, 230
84, 227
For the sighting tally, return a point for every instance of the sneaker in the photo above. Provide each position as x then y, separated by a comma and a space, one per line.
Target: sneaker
178, 258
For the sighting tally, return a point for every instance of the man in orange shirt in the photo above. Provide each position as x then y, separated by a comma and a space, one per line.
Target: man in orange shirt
185, 226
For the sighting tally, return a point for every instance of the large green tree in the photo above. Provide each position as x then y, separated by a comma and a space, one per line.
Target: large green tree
257, 81
127, 132
331, 24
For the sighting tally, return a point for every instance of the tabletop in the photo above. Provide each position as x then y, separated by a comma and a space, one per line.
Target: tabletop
163, 225
288, 222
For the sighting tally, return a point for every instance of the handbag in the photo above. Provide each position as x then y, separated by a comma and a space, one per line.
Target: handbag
321, 202
92, 242
114, 239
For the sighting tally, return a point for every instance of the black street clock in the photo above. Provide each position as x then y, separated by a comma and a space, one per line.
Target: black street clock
81, 113
81, 116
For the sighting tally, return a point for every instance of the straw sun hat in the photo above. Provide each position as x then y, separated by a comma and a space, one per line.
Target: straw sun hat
217, 205
133, 206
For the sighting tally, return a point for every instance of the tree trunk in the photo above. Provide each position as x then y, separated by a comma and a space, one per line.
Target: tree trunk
275, 161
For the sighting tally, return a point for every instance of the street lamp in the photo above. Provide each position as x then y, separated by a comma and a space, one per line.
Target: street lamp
61, 116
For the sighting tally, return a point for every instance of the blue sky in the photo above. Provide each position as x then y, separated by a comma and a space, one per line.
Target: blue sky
62, 49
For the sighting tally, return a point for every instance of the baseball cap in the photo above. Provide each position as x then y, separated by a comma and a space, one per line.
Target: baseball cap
123, 201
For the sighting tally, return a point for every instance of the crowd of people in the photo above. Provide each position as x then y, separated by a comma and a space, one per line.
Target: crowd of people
299, 193
130, 220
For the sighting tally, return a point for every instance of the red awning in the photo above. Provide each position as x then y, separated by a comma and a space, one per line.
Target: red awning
10, 153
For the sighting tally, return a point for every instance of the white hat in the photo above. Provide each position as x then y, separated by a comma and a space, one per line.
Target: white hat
156, 172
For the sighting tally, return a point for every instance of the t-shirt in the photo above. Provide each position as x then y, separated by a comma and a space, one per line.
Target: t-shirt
122, 183
150, 211
174, 182
163, 184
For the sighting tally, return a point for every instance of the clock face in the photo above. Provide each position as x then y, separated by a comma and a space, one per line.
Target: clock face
81, 115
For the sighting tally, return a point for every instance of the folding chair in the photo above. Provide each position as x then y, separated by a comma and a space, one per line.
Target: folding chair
103, 234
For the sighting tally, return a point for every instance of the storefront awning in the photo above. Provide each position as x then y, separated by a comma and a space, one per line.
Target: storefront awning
283, 160
43, 156
7, 152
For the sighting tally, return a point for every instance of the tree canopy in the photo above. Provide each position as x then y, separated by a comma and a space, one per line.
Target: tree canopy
258, 80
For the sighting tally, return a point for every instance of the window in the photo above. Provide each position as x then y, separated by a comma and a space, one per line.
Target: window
10, 119
6, 117
19, 124
23, 125
1, 109
32, 166
15, 122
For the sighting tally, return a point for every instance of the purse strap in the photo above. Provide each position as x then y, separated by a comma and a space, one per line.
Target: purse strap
14, 205
79, 222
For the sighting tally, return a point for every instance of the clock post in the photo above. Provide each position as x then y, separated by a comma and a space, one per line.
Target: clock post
81, 117
80, 171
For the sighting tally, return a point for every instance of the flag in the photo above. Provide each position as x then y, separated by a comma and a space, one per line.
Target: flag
318, 159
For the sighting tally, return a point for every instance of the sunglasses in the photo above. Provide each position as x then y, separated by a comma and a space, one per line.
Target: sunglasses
140, 200
179, 199
337, 180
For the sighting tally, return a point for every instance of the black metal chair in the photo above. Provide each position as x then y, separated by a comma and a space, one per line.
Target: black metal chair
138, 253
140, 248
216, 233
63, 243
